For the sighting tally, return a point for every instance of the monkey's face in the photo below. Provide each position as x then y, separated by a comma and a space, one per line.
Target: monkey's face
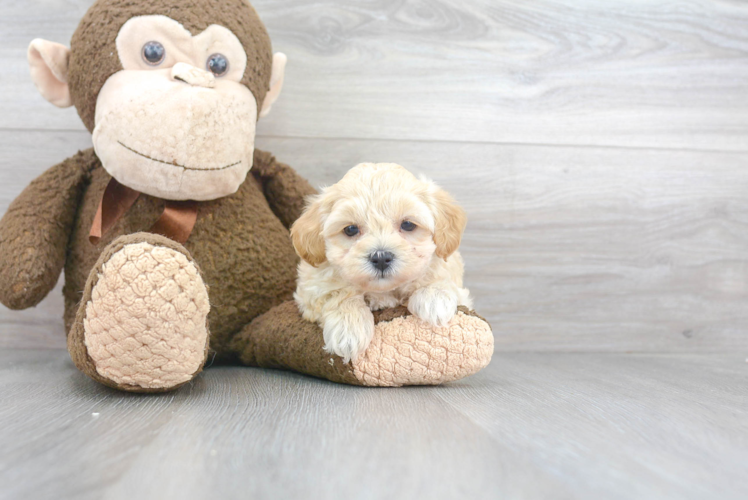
176, 122
173, 111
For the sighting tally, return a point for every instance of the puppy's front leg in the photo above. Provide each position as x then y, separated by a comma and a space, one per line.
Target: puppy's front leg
348, 327
379, 301
436, 303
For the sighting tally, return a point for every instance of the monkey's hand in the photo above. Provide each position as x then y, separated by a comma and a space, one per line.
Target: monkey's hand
284, 189
35, 230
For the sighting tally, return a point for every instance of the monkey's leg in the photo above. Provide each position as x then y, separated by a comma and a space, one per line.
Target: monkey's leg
142, 325
404, 350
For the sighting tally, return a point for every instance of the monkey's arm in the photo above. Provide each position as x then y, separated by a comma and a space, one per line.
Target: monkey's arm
34, 232
284, 189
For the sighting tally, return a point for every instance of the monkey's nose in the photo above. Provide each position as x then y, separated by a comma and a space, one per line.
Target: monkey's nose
381, 260
193, 76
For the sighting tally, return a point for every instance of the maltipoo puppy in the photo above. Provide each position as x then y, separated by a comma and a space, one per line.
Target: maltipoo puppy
378, 238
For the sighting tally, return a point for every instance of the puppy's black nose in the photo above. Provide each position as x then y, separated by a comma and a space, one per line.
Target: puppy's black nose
381, 260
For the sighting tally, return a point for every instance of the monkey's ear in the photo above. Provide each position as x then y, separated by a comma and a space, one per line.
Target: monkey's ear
276, 82
49, 70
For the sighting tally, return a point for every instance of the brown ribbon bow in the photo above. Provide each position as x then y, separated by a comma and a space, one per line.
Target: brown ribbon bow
176, 222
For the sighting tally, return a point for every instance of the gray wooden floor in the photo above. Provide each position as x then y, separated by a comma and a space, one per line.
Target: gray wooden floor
601, 152
532, 425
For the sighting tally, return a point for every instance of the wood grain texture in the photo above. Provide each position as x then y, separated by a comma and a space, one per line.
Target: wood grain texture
567, 248
655, 74
600, 151
584, 248
530, 426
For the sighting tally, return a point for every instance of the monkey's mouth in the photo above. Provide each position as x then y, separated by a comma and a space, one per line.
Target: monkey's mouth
175, 164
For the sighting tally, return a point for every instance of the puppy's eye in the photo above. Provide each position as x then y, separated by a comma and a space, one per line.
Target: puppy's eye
153, 53
407, 226
351, 231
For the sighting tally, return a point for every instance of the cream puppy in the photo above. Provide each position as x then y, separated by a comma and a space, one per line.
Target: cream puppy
379, 238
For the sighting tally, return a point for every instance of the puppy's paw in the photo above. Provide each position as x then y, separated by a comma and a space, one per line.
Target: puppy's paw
379, 301
433, 304
348, 332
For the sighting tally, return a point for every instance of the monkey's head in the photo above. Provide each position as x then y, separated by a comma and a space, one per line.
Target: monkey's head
171, 90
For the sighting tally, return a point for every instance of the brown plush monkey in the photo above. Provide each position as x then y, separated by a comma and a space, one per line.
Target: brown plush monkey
170, 249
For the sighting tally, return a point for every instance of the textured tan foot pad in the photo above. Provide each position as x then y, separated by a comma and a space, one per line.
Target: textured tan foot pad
407, 351
145, 323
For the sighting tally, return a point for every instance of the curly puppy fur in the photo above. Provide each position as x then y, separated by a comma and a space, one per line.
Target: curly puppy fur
378, 239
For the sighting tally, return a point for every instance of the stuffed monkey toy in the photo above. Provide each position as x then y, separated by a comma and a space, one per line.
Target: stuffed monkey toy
173, 229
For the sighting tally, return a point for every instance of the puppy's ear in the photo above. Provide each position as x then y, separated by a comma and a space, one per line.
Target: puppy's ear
306, 234
449, 223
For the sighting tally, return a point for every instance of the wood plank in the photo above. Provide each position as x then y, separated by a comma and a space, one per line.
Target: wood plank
654, 74
584, 248
529, 426
619, 426
595, 249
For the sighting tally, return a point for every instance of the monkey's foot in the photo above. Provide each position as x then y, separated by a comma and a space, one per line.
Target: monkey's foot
142, 323
403, 351
408, 351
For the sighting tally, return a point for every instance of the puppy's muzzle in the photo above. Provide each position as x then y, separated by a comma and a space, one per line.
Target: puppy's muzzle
381, 260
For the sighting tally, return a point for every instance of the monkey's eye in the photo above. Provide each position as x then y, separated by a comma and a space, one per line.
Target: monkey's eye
153, 53
407, 226
351, 231
218, 64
